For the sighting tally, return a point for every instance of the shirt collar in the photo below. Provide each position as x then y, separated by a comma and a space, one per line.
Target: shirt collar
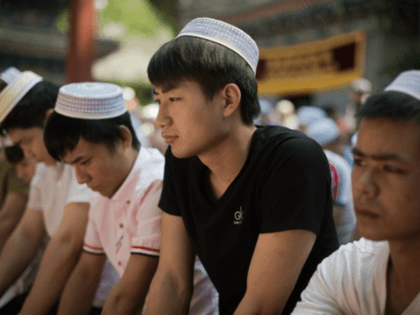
123, 193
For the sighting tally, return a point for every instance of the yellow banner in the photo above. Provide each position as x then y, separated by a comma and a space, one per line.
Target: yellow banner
305, 68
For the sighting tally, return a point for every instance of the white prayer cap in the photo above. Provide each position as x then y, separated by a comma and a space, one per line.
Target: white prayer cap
16, 90
407, 82
361, 85
323, 131
309, 114
226, 35
10, 74
90, 100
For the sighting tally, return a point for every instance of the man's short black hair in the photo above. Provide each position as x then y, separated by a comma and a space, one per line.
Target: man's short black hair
211, 65
14, 154
391, 105
63, 133
31, 109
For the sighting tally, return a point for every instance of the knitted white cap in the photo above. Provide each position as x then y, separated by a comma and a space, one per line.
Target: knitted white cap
407, 82
10, 74
16, 90
323, 131
224, 34
90, 100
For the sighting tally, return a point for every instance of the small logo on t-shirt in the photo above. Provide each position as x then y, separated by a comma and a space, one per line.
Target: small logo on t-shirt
238, 216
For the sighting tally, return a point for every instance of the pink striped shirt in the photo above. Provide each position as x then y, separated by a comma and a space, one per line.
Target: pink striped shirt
129, 222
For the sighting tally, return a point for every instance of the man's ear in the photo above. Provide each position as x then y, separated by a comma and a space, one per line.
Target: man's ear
126, 136
48, 114
231, 95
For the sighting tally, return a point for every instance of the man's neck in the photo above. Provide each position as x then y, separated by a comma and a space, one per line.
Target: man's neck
404, 271
227, 159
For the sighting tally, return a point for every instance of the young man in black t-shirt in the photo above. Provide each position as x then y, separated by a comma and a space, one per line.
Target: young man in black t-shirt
254, 203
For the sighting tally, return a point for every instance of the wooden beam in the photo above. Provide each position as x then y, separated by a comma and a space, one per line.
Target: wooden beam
81, 45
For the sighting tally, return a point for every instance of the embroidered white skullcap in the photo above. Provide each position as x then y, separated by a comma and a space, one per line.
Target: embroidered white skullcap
309, 114
407, 82
10, 74
90, 100
224, 34
323, 131
15, 91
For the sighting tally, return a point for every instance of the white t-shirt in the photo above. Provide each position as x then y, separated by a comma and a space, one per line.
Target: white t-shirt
344, 197
352, 280
129, 223
52, 189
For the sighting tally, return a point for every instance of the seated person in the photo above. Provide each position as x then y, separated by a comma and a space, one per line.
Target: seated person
325, 132
253, 203
91, 130
13, 189
380, 273
57, 207
13, 199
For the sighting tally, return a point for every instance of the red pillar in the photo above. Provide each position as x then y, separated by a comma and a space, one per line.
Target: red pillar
81, 45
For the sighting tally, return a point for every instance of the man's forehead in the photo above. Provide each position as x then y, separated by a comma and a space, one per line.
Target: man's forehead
388, 138
171, 86
19, 133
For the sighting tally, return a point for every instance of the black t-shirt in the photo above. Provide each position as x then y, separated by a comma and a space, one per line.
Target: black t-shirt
285, 184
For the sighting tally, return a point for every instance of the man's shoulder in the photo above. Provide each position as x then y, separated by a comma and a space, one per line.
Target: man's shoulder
282, 139
41, 175
357, 254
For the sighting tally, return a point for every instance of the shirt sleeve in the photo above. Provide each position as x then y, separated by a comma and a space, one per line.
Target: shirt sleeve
320, 297
146, 222
92, 243
35, 193
335, 286
168, 201
296, 188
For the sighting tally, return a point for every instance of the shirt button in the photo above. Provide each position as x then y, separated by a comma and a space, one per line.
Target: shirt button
121, 225
119, 263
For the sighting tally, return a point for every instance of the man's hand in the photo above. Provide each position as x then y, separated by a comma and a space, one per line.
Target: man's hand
172, 287
129, 294
10, 214
58, 261
81, 287
275, 267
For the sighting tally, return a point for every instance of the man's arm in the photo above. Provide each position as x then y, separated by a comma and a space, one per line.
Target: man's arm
10, 214
275, 267
129, 294
21, 247
58, 260
172, 287
81, 287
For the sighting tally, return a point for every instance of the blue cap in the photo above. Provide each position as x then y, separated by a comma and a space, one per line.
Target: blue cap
324, 131
309, 114
10, 75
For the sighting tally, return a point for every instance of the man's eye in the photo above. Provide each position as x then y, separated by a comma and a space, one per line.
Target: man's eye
358, 162
85, 162
174, 99
393, 169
